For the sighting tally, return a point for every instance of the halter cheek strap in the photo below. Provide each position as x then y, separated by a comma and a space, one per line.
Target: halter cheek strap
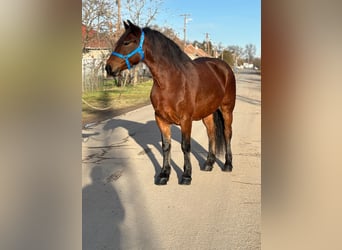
138, 50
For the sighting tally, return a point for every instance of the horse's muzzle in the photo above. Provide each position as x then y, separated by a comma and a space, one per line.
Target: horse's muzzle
110, 71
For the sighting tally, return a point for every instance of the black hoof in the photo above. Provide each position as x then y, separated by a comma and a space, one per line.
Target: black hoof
162, 181
207, 167
185, 181
227, 168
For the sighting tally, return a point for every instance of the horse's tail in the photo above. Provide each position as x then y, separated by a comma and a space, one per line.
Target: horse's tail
220, 139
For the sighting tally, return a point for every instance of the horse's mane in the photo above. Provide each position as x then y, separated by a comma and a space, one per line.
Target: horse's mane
165, 47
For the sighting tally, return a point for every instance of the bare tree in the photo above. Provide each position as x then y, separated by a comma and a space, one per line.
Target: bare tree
97, 15
102, 21
142, 12
169, 32
250, 51
237, 52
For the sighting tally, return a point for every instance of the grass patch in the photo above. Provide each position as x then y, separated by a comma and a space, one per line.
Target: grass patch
117, 98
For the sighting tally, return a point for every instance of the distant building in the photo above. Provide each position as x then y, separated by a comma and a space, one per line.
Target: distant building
96, 48
248, 65
92, 40
194, 52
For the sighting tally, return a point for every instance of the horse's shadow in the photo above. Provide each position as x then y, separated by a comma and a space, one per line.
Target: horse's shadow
148, 134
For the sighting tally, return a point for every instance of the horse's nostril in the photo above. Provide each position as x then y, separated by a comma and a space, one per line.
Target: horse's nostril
108, 69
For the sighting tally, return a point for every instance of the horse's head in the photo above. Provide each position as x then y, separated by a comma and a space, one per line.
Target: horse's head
128, 50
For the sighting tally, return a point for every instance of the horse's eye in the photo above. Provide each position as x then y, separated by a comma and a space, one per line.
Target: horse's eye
127, 42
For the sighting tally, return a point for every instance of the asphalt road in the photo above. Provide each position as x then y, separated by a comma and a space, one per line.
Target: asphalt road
124, 209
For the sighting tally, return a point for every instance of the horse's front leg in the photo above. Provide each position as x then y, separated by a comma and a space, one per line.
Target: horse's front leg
166, 147
186, 148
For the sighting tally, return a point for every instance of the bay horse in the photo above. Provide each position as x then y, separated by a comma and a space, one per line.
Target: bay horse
184, 90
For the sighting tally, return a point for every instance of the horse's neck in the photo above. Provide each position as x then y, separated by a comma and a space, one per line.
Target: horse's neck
160, 67
160, 71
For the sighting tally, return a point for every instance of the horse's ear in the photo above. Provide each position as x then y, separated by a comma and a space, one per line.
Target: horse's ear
130, 23
135, 29
126, 25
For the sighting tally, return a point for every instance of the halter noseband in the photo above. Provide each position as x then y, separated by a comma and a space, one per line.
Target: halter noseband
135, 51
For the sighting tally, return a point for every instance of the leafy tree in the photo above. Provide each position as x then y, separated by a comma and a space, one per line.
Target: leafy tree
228, 57
240, 61
198, 44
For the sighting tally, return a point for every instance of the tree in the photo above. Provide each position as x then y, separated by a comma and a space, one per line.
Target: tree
170, 33
237, 52
228, 57
250, 51
257, 62
97, 15
142, 12
198, 44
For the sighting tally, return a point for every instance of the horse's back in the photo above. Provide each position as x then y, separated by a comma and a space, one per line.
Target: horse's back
214, 72
216, 66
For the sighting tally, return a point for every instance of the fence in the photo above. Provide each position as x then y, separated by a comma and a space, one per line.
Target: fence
94, 76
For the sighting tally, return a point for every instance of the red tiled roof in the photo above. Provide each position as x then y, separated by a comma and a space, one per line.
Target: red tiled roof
195, 52
95, 40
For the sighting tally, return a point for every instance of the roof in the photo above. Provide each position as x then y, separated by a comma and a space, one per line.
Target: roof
95, 40
195, 52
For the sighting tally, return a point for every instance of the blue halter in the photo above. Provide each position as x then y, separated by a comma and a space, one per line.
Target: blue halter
137, 50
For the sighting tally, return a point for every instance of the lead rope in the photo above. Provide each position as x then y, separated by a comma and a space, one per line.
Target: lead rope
93, 107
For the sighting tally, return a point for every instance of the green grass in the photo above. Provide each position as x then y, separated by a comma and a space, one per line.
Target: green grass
115, 97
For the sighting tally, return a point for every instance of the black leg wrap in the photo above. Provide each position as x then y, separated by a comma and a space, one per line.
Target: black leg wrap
162, 179
228, 167
208, 165
186, 180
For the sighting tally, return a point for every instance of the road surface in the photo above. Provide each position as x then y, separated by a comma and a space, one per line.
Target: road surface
124, 209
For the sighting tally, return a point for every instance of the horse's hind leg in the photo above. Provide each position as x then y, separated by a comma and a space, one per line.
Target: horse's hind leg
166, 147
210, 125
227, 113
186, 147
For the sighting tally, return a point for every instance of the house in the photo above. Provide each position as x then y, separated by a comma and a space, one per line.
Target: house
96, 48
248, 65
194, 52
93, 40
95, 45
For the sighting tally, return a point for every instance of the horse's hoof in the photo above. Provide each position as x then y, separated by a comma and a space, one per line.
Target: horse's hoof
162, 181
185, 181
207, 167
227, 168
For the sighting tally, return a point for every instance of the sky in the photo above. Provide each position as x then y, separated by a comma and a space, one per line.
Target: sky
231, 22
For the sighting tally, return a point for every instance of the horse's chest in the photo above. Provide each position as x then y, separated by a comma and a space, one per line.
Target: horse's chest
167, 104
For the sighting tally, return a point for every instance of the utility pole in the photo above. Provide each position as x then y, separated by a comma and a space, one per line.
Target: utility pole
184, 28
207, 42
